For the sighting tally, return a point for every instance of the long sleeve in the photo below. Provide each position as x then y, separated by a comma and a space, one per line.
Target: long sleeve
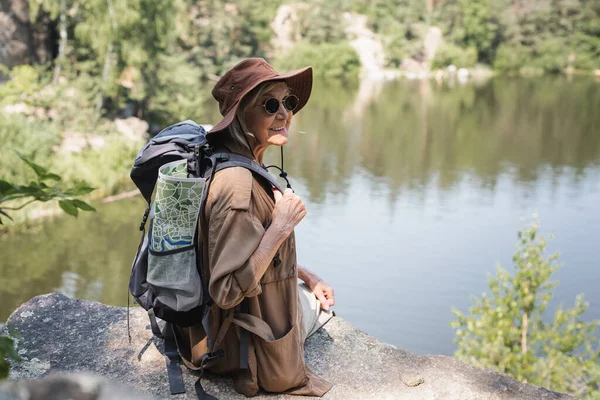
233, 237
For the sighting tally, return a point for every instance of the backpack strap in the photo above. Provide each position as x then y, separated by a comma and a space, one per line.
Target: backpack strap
173, 368
228, 160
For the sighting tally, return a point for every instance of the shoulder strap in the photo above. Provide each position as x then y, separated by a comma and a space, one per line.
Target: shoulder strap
228, 160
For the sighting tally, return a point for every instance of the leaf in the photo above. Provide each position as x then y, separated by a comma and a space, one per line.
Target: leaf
50, 176
6, 188
79, 190
5, 214
68, 207
39, 170
83, 205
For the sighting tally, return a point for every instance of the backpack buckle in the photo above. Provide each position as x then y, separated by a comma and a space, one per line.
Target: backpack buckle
207, 357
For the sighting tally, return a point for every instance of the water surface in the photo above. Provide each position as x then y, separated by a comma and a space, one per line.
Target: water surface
415, 192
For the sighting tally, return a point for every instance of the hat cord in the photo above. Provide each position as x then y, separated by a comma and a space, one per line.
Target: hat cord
282, 174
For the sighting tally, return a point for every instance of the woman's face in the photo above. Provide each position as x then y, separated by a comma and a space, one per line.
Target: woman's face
269, 129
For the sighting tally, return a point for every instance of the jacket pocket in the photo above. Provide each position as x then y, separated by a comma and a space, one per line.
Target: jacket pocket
283, 265
280, 363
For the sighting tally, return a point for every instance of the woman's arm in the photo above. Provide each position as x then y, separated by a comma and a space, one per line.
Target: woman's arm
322, 291
288, 212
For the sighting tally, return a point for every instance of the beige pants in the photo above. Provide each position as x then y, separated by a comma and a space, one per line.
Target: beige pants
313, 317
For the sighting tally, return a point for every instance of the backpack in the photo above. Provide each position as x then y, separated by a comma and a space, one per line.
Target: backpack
177, 165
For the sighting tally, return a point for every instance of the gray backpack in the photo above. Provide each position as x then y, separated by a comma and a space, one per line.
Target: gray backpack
167, 276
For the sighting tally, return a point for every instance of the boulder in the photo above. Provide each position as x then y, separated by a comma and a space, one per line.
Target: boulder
431, 43
132, 128
21, 40
286, 27
61, 334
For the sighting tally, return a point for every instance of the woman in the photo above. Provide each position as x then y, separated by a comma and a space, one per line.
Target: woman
260, 316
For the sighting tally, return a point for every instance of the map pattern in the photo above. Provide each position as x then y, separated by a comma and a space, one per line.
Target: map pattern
176, 207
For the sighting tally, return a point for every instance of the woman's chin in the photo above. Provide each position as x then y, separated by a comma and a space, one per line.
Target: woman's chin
278, 139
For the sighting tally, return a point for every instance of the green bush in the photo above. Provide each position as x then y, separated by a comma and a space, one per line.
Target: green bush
106, 168
29, 135
551, 55
587, 50
509, 58
450, 53
506, 331
24, 83
337, 61
7, 352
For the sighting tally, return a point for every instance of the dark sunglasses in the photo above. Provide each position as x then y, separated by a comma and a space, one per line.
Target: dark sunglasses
290, 103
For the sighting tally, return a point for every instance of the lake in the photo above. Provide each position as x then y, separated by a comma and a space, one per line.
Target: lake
415, 192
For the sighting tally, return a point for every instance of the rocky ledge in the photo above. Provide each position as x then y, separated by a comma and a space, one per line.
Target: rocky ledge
87, 343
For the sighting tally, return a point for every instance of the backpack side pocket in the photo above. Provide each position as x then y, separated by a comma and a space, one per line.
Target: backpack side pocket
173, 276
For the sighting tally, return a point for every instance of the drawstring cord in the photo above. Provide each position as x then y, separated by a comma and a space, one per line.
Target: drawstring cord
142, 228
282, 174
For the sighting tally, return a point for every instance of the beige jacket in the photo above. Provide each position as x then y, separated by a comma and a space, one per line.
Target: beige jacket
238, 210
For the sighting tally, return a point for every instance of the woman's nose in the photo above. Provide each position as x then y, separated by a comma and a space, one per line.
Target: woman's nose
282, 113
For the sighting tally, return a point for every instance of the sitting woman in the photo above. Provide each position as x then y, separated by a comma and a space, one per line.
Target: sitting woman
260, 316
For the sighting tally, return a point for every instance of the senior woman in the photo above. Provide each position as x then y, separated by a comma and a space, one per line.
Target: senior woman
260, 316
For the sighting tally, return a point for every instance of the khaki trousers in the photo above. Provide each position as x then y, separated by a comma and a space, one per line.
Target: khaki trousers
313, 317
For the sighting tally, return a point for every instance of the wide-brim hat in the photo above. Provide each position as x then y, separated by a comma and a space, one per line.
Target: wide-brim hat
247, 75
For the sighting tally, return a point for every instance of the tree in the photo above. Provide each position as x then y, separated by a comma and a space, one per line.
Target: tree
507, 331
39, 190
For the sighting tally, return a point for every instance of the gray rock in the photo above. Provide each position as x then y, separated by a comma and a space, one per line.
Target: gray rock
72, 386
60, 334
23, 41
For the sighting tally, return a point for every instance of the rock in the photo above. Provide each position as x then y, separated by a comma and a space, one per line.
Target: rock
368, 46
286, 27
411, 380
597, 73
413, 69
132, 128
75, 142
23, 41
70, 386
462, 75
22, 108
84, 336
432, 41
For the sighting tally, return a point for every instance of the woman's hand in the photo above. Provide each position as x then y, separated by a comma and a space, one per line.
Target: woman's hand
288, 212
322, 291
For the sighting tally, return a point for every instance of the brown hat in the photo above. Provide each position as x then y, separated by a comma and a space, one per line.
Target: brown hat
248, 74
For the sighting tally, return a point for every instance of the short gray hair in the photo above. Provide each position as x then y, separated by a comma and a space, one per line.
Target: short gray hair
238, 130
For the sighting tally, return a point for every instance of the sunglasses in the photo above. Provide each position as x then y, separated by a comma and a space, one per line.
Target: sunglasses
290, 103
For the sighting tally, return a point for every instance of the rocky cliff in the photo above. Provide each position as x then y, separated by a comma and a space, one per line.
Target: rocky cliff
60, 334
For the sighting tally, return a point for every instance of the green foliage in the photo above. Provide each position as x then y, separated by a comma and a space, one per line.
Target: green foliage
217, 34
179, 93
551, 55
449, 53
320, 21
7, 353
106, 167
506, 331
39, 190
329, 61
509, 58
18, 132
396, 22
544, 35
